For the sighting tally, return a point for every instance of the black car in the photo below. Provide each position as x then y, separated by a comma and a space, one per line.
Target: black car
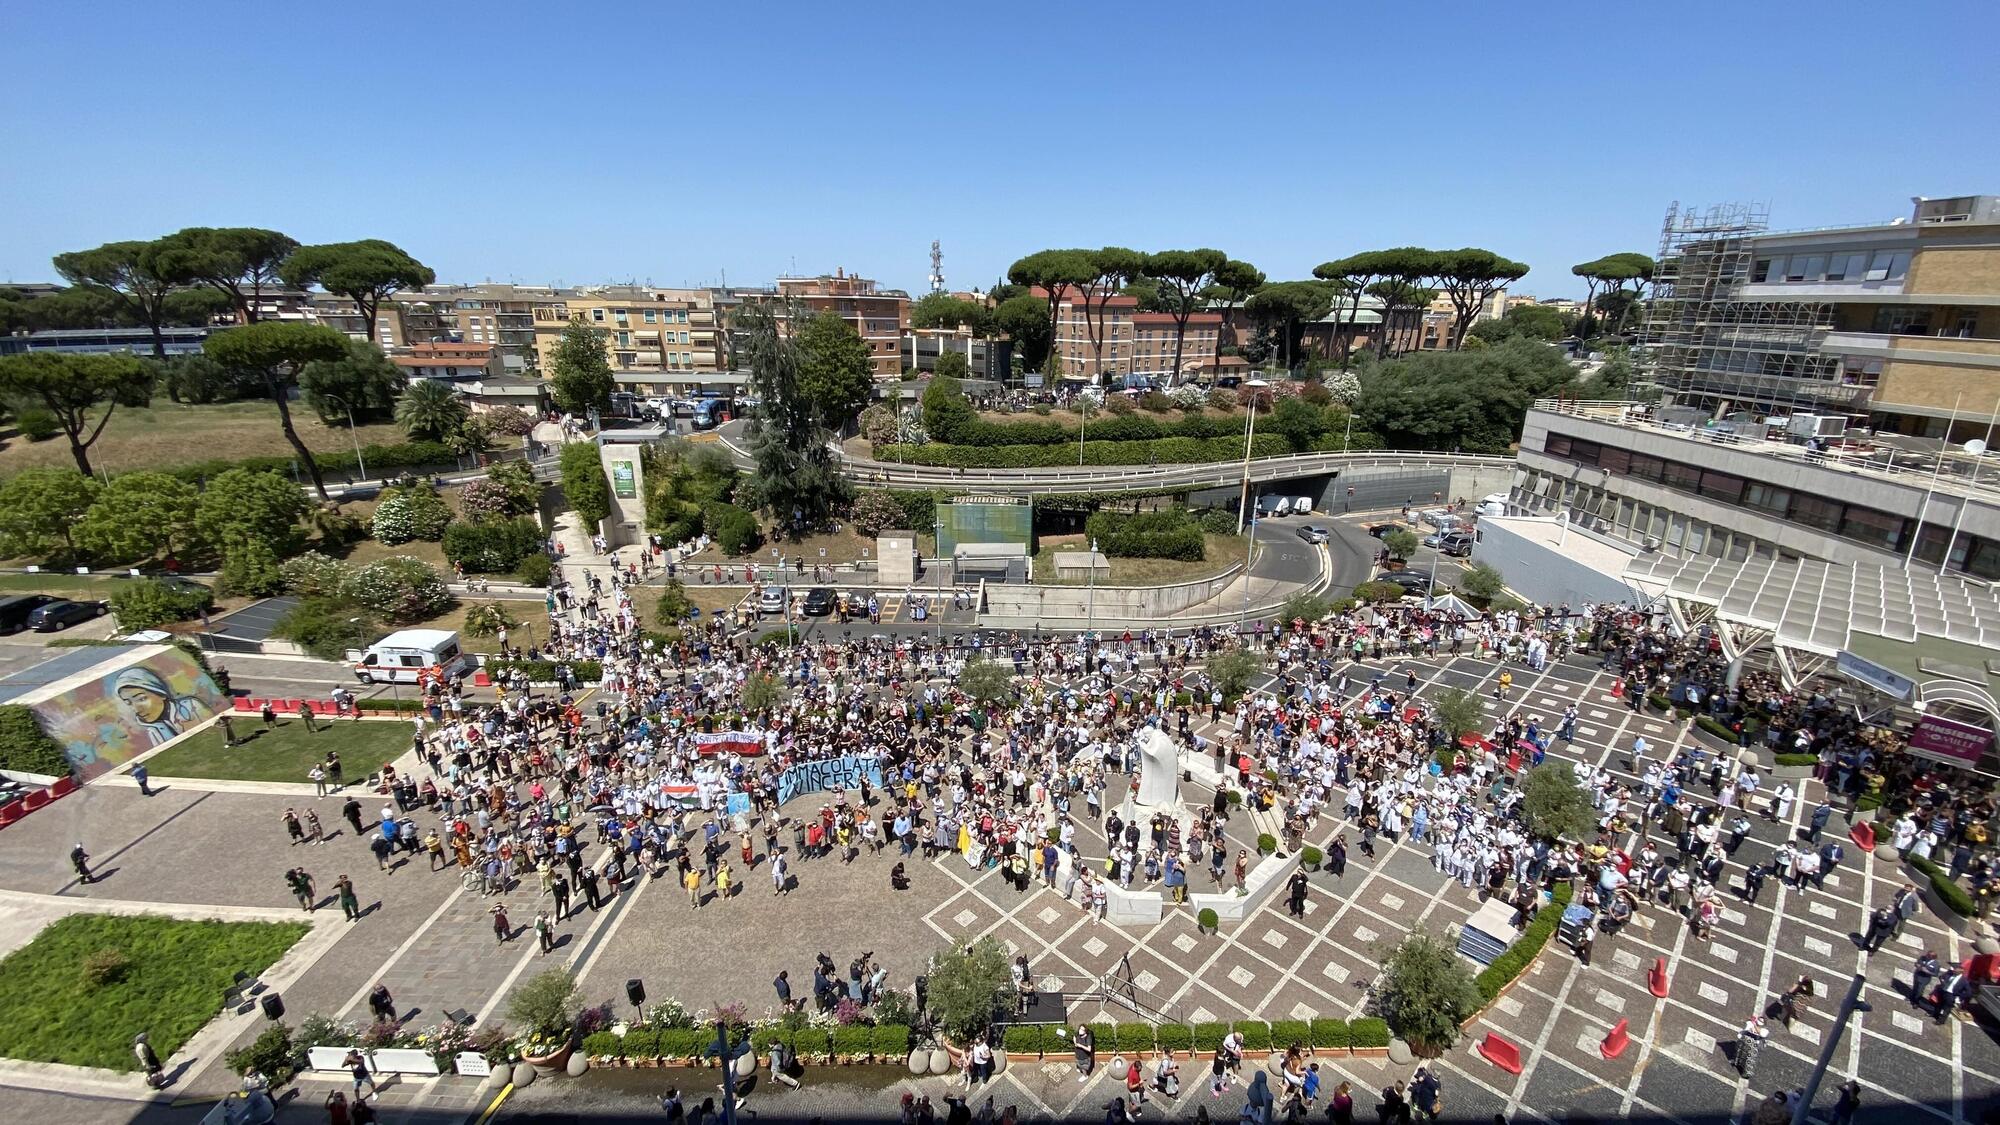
63, 613
819, 602
1381, 530
1409, 580
15, 610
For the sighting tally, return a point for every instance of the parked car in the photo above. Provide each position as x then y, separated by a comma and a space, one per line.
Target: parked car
1435, 517
771, 600
1455, 544
1494, 505
62, 613
1313, 533
857, 603
1381, 530
1409, 580
14, 611
818, 602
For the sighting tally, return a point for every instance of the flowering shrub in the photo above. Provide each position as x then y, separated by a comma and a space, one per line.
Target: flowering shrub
594, 1019
510, 420
324, 1031
383, 1033
1187, 396
402, 589
314, 575
413, 513
485, 500
846, 1012
1344, 386
669, 1013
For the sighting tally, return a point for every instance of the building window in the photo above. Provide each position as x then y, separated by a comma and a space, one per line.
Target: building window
1768, 269
597, 315
1889, 265
1966, 324
1903, 321
1647, 467
1859, 371
1815, 512
1685, 478
652, 317
1721, 486
624, 339
1806, 267
1877, 529
1846, 267
1768, 497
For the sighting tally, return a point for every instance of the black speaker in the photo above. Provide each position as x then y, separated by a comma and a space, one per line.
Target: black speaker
274, 1006
635, 991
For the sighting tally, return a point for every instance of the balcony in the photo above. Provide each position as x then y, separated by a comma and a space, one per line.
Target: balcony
1912, 346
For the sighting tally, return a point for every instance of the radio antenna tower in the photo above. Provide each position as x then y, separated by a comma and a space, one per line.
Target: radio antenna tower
937, 267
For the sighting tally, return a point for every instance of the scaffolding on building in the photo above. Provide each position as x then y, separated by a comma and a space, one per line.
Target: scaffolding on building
1719, 351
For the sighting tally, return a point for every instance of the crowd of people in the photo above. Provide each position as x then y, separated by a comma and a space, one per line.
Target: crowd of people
676, 762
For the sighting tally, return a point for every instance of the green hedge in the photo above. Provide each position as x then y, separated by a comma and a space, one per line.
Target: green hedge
641, 1043
812, 1041
603, 1044
1208, 1036
1367, 1033
891, 1041
1171, 534
1796, 759
979, 433
764, 1038
379, 458
1163, 451
1284, 1033
24, 746
1716, 727
544, 671
1174, 1036
1329, 1034
855, 1040
1515, 961
1024, 1039
1256, 1034
1948, 890
1134, 1038
493, 547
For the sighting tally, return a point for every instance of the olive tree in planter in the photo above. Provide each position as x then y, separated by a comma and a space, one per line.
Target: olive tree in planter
969, 985
1456, 713
546, 1007
1554, 806
1426, 992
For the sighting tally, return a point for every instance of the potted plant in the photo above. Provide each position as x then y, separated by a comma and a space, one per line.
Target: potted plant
1266, 843
546, 1007
1311, 857
1207, 920
970, 986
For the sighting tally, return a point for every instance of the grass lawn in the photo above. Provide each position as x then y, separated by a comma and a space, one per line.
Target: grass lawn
1222, 551
166, 435
285, 752
172, 985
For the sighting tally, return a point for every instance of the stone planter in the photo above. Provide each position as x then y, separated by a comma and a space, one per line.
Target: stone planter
1864, 816
1792, 773
1714, 744
1958, 922
552, 1062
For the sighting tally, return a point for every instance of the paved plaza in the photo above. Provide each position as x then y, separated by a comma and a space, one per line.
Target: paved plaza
432, 943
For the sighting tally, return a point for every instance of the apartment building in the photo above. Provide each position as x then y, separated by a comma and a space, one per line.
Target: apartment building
447, 361
1153, 345
1109, 317
645, 330
1437, 320
880, 316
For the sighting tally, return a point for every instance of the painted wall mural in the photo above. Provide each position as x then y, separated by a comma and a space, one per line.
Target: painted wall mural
113, 719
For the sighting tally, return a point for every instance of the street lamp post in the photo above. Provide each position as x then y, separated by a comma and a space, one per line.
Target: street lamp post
1090, 613
1249, 435
352, 435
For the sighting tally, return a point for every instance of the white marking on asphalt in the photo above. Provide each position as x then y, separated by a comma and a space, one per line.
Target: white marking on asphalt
1712, 994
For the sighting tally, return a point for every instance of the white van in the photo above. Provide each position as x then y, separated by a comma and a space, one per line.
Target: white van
410, 656
1494, 505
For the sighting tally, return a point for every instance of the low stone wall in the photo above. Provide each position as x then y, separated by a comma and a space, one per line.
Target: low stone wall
1112, 603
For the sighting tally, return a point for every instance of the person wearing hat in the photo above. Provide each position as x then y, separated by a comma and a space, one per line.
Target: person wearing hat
80, 860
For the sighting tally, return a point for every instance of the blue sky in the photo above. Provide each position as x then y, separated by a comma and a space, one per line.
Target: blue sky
674, 143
